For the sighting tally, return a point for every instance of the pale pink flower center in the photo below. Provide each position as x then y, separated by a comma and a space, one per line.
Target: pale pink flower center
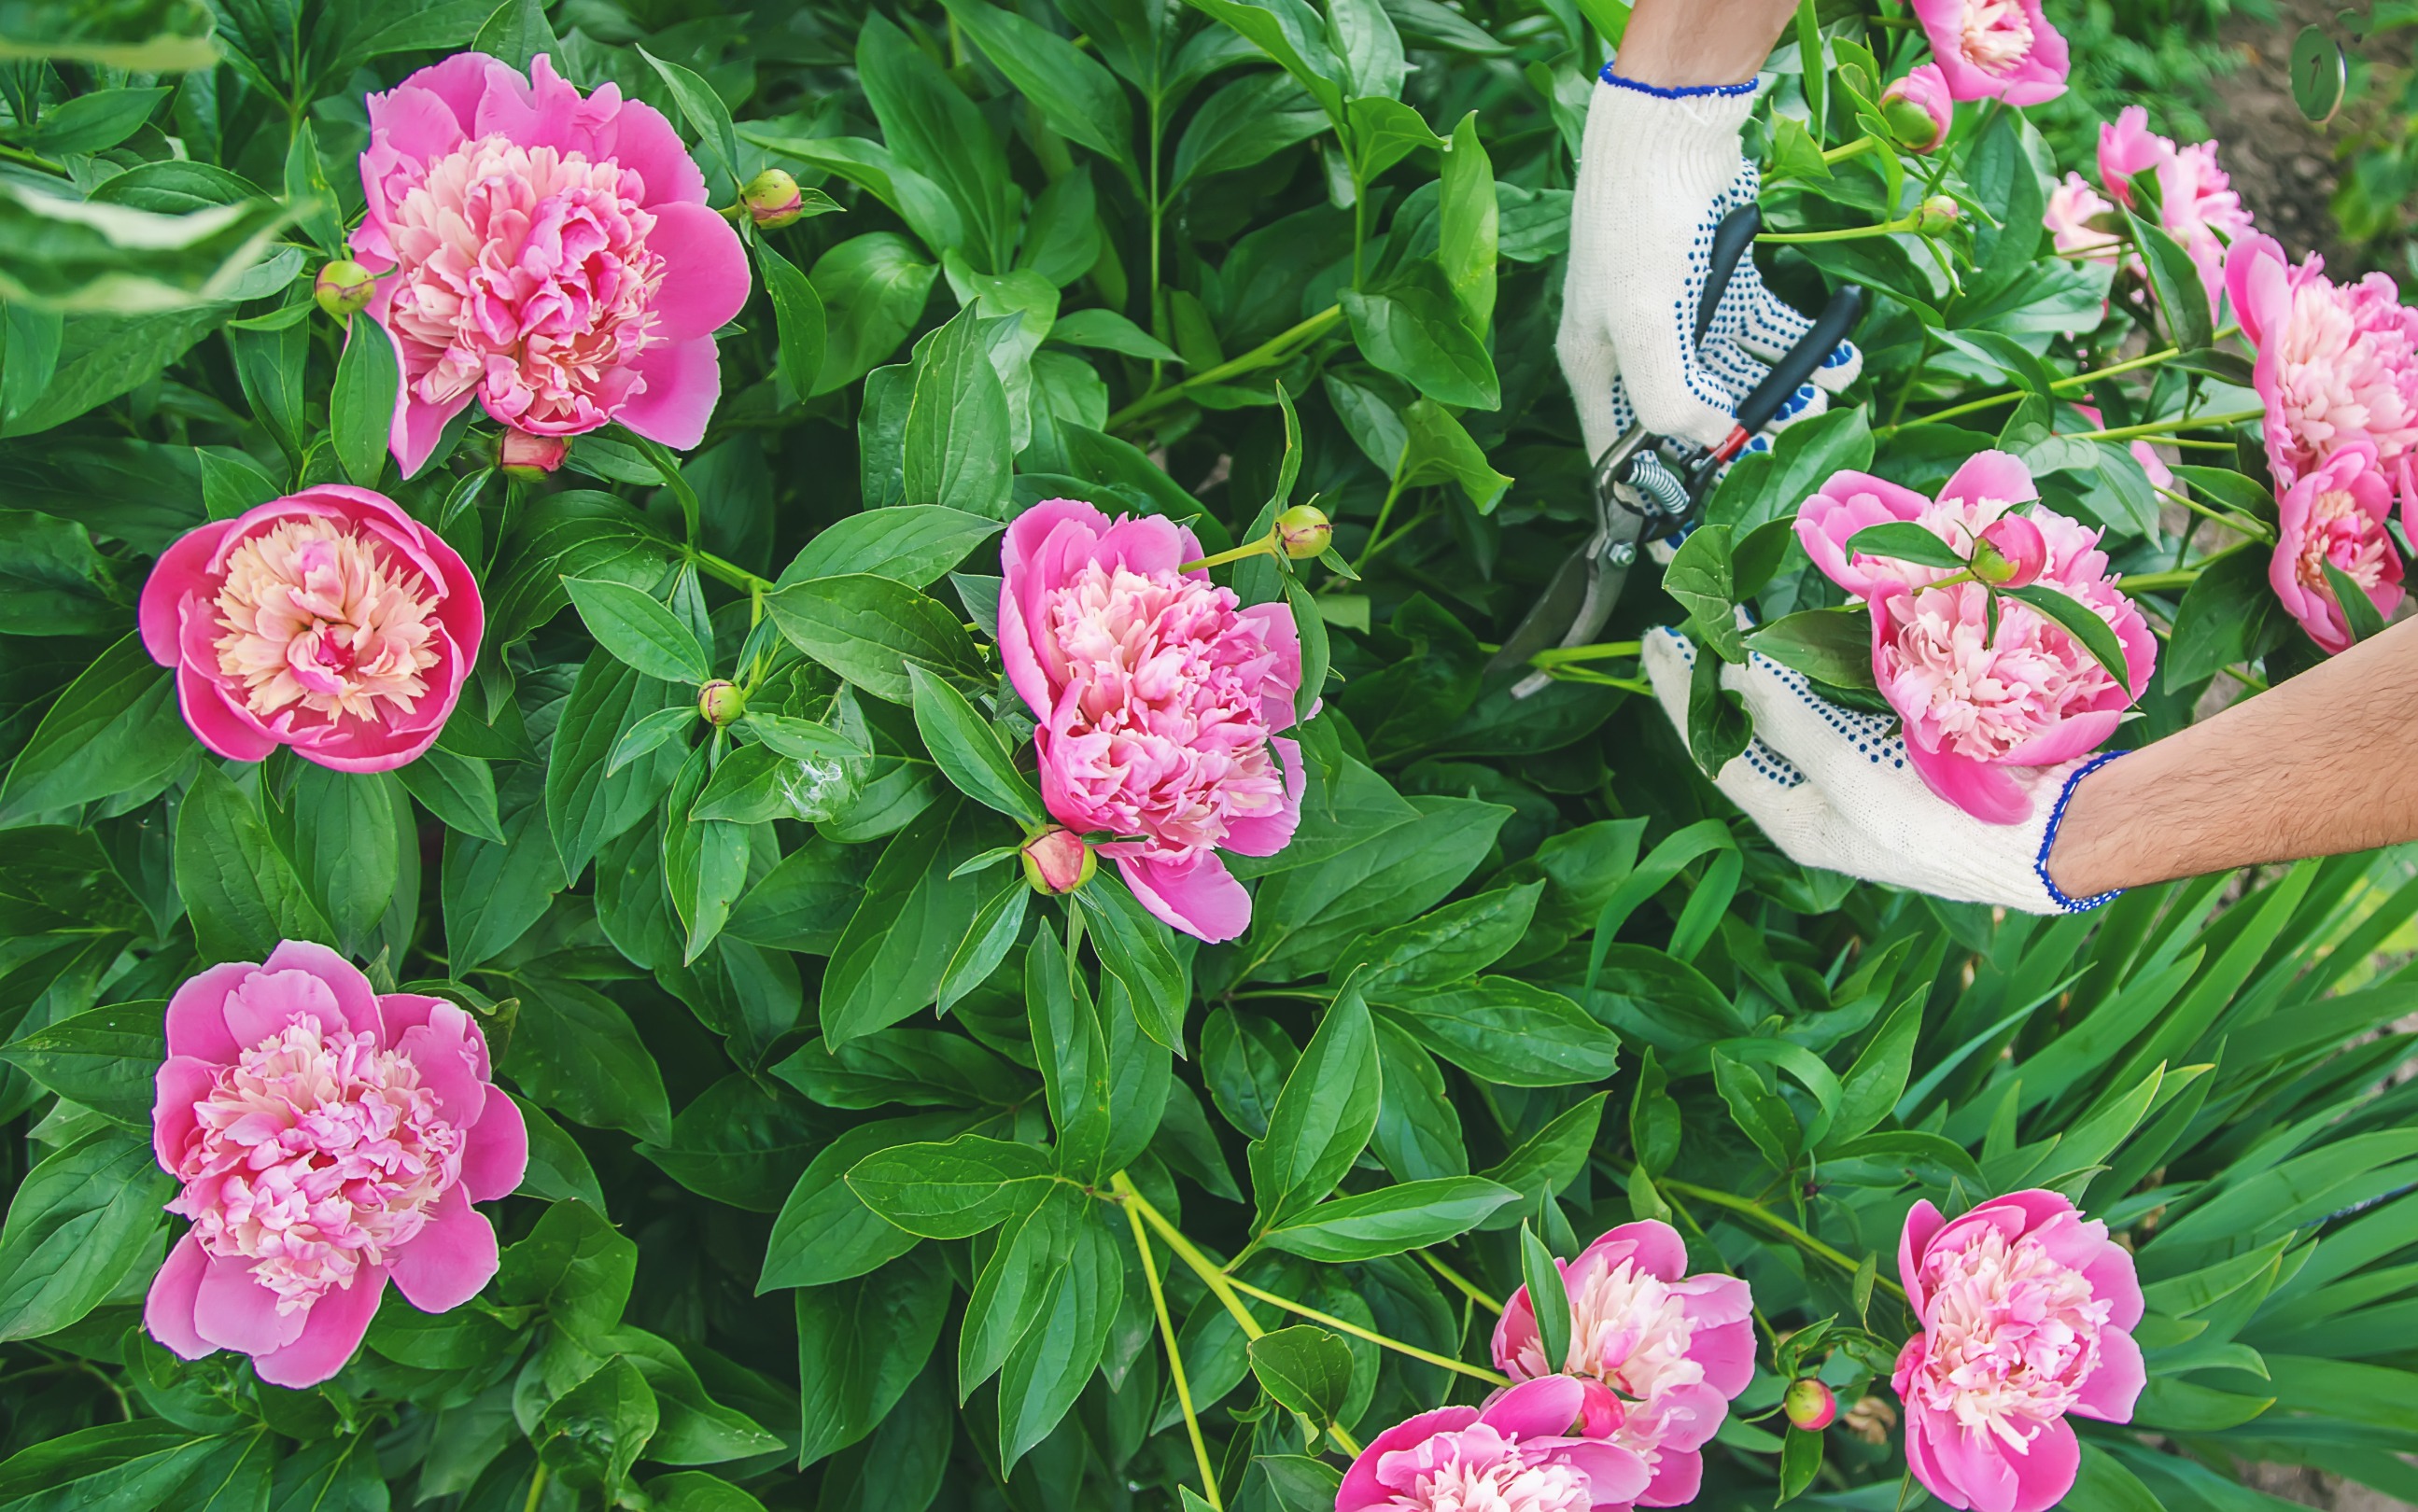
2073, 206
1998, 34
2340, 532
1478, 1470
2013, 1336
525, 275
1983, 696
2349, 368
1159, 731
315, 1154
316, 614
1627, 1329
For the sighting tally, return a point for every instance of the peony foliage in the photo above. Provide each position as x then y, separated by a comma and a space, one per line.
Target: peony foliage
589, 588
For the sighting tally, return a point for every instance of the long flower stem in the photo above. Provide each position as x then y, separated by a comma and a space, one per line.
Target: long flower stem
1762, 1214
1267, 354
1886, 228
691, 508
1340, 1325
537, 1488
2167, 427
2079, 380
1174, 1360
1608, 650
1459, 1283
1860, 144
2231, 522
1384, 512
728, 572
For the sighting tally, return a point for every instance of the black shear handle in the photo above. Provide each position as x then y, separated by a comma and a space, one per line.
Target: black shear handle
1731, 240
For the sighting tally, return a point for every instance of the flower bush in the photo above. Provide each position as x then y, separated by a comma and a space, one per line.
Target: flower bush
791, 709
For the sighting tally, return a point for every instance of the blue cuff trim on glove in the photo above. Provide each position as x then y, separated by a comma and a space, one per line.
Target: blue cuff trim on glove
2056, 818
1689, 92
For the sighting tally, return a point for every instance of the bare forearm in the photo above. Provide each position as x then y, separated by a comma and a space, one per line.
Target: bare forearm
1675, 45
2318, 766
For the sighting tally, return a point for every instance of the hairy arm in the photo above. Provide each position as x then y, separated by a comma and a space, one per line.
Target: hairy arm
2317, 767
1677, 43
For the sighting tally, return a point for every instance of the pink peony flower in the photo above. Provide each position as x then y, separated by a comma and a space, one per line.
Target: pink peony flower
2027, 1311
1919, 108
2335, 515
1974, 705
1662, 1352
328, 621
2076, 219
1515, 1455
1994, 49
325, 1139
1159, 699
2337, 362
551, 255
2197, 204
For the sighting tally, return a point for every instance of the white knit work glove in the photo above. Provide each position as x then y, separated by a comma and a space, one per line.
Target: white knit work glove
1658, 171
1832, 787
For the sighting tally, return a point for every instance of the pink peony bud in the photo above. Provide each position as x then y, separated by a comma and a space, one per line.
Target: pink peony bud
1810, 1405
720, 701
1935, 215
772, 199
1918, 108
1056, 860
1996, 48
344, 287
523, 455
1304, 531
2011, 553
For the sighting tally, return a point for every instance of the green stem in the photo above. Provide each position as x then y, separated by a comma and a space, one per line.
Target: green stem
1265, 546
1340, 1325
2231, 522
1762, 1214
1378, 543
1608, 650
30, 159
691, 508
2079, 380
537, 1488
1886, 228
2165, 582
1860, 144
1460, 1282
1175, 1358
1913, 380
728, 572
1268, 353
1384, 512
2167, 427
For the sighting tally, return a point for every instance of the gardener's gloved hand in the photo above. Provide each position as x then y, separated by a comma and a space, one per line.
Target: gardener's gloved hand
1832, 787
1656, 171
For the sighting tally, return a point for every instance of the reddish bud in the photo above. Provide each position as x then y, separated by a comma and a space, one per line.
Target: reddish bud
1810, 1405
772, 199
524, 455
2012, 553
1600, 1411
720, 701
1057, 860
1304, 531
1918, 109
344, 287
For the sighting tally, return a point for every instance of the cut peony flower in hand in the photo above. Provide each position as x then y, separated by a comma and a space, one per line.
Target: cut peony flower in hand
326, 1139
1984, 679
1161, 701
552, 255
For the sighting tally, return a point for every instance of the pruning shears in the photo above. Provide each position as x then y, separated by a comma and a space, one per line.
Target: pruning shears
1634, 502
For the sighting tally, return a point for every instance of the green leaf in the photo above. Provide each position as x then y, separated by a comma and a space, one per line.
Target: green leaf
705, 859
1306, 1370
1436, 448
798, 316
637, 628
1550, 1159
1870, 1091
587, 803
1139, 950
2174, 279
607, 1417
113, 731
911, 544
1108, 331
1800, 1460
956, 450
2082, 623
1412, 326
968, 750
1757, 1110
240, 891
52, 582
1699, 577
1323, 1118
1467, 216
2359, 610
1548, 1298
2228, 616
1073, 1049
1654, 1122
575, 1051
894, 954
1718, 726
867, 629
1014, 1285
82, 1221
1389, 1220
953, 1190
103, 1058
459, 791
702, 108
1049, 1364
1504, 1030
493, 893
339, 830
824, 1232
517, 32
361, 408
986, 942
1904, 540
1080, 99
1832, 646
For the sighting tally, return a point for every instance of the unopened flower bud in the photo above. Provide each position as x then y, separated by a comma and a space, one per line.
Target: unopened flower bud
526, 456
1304, 531
1056, 860
344, 287
1937, 215
1810, 1405
720, 702
1918, 109
772, 199
2012, 553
